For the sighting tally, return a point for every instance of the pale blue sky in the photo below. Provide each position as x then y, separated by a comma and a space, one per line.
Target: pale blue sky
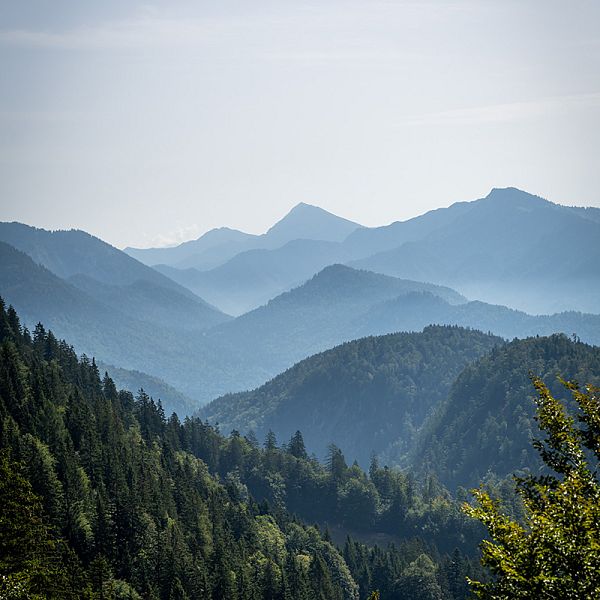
151, 122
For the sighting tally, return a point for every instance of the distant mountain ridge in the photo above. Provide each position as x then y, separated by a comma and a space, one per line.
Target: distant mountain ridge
302, 222
510, 247
72, 252
414, 311
203, 251
252, 278
104, 331
93, 289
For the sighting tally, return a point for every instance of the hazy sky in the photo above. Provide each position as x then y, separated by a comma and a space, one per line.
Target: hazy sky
150, 122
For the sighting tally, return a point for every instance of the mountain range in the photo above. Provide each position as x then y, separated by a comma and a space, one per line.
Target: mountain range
510, 247
303, 222
112, 306
178, 346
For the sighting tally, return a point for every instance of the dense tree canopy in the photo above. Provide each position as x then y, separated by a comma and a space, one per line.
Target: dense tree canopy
367, 395
126, 502
486, 423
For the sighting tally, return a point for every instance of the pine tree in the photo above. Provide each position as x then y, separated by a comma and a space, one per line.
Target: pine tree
296, 446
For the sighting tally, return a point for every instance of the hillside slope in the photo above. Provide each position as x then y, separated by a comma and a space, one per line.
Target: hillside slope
252, 278
109, 334
364, 396
111, 276
412, 312
486, 423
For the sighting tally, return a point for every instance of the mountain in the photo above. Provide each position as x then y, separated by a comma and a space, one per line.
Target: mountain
364, 396
303, 222
412, 312
38, 295
205, 252
252, 278
112, 277
509, 248
74, 252
144, 300
323, 312
366, 241
486, 424
308, 222
109, 334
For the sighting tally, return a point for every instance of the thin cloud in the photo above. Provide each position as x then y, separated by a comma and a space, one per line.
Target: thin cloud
175, 237
498, 113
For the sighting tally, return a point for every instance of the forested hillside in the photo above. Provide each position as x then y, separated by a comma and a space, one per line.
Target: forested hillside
486, 424
449, 401
366, 396
103, 496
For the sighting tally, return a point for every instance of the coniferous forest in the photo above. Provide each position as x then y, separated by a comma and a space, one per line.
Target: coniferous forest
105, 496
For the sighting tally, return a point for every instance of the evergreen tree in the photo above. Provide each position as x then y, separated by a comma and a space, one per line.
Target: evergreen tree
29, 557
296, 446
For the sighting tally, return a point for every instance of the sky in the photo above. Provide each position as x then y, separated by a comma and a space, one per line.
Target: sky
149, 123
